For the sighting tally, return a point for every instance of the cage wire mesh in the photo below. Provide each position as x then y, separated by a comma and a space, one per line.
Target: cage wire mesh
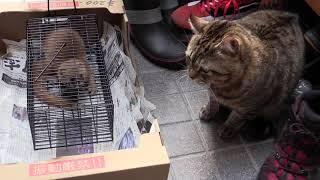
69, 98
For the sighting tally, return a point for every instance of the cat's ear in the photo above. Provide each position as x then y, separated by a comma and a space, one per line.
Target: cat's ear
231, 45
197, 24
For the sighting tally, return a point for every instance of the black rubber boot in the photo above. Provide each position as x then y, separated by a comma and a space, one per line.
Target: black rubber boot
167, 8
152, 35
182, 34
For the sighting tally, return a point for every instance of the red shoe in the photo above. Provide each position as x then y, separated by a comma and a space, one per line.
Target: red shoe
297, 153
209, 9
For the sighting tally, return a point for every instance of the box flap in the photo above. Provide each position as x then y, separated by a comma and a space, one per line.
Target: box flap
149, 156
114, 6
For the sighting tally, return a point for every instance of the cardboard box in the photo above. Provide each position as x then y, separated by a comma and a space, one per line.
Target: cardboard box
315, 5
148, 161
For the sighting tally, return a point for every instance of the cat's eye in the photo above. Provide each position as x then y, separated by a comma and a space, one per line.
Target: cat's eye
204, 70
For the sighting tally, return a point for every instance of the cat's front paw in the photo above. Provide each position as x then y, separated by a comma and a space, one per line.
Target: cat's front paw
205, 114
208, 112
226, 133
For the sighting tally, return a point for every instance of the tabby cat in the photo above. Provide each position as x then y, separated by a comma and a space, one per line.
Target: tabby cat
250, 65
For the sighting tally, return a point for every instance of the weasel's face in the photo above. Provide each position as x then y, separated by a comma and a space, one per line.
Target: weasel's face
74, 77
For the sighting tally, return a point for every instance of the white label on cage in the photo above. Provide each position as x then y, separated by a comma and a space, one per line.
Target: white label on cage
58, 19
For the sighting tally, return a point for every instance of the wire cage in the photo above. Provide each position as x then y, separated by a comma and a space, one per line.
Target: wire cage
69, 100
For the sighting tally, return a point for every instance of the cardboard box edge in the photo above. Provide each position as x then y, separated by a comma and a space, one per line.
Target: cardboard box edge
23, 6
152, 148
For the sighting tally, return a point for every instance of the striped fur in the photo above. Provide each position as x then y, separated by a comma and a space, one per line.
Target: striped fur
251, 64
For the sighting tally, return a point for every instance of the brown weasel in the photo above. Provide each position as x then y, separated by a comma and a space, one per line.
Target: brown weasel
69, 67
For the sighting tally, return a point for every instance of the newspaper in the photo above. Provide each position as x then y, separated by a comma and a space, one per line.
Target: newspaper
130, 106
15, 138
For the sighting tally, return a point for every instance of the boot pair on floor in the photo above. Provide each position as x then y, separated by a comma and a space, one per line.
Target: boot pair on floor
161, 34
151, 34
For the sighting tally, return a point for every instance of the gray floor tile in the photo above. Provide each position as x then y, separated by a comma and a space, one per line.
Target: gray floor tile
260, 152
171, 175
160, 83
170, 108
234, 164
315, 175
181, 138
186, 84
197, 167
209, 132
196, 101
144, 64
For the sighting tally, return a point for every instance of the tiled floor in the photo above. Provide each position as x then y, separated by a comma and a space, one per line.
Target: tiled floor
195, 151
